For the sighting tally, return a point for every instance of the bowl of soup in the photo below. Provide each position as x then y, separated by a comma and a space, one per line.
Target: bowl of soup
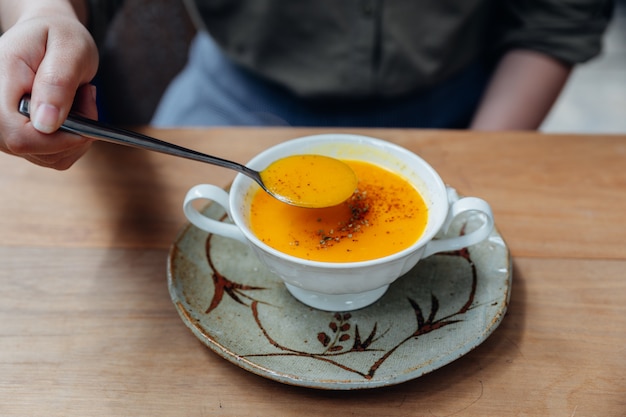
345, 256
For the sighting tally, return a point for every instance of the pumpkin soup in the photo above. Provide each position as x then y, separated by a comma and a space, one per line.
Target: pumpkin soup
385, 215
310, 181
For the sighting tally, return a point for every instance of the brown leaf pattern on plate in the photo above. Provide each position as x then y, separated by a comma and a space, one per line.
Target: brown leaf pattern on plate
341, 336
223, 285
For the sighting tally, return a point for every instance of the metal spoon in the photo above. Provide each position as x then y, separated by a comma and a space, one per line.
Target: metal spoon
98, 130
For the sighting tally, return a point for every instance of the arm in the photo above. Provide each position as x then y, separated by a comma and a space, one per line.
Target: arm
45, 51
521, 92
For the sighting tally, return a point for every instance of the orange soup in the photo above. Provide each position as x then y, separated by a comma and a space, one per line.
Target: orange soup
385, 215
311, 181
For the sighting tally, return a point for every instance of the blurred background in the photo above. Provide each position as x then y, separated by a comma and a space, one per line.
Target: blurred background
594, 98
593, 101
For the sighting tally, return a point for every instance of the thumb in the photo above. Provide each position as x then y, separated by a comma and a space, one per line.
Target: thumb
63, 69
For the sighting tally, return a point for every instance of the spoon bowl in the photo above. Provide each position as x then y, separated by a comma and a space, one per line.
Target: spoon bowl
288, 180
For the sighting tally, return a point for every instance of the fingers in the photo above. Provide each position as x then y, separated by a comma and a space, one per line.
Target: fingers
59, 150
62, 160
85, 102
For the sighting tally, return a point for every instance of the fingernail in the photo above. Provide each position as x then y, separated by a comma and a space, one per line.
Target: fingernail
46, 118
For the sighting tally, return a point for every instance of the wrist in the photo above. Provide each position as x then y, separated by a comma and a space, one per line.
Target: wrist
13, 11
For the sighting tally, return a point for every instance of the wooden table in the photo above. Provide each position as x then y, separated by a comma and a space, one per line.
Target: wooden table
87, 327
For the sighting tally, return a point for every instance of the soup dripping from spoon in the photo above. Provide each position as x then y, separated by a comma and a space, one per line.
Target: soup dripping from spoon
311, 181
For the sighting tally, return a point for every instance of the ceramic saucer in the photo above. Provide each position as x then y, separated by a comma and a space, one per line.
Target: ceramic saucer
442, 309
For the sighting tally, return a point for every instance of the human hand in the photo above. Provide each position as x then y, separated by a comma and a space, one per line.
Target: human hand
52, 58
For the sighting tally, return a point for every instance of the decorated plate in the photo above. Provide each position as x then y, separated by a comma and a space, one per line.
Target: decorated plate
442, 309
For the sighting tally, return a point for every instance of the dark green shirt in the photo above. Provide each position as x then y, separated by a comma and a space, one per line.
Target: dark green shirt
365, 48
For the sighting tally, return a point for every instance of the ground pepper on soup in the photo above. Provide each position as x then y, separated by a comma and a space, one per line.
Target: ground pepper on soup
385, 215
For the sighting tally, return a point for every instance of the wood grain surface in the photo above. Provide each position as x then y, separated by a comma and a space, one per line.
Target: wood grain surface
87, 327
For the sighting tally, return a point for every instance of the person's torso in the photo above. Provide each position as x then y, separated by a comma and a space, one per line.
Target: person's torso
350, 49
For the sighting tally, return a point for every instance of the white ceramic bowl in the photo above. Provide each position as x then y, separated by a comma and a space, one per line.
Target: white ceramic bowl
350, 285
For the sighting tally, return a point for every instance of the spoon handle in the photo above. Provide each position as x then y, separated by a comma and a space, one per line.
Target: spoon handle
97, 130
